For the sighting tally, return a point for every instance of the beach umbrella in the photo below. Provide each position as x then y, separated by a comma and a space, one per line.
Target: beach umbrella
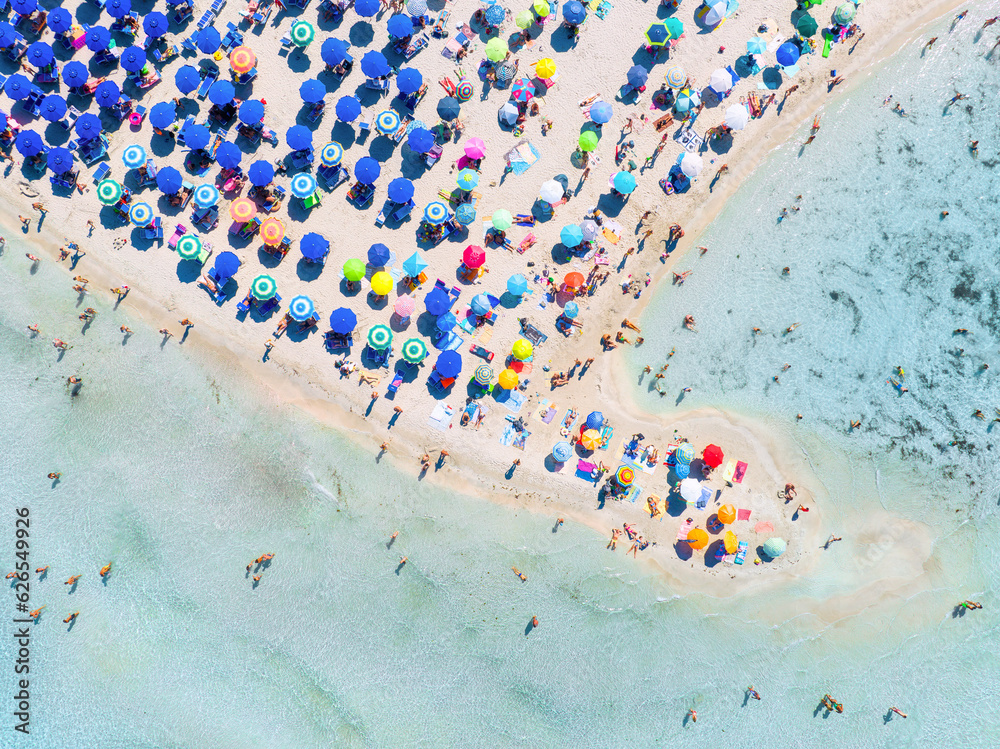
222, 93
414, 265
525, 19
716, 12
155, 24
272, 231
467, 179
697, 538
414, 350
475, 148
573, 280
379, 255
562, 451
844, 14
589, 229
187, 79
367, 8
721, 81
343, 321
331, 154
334, 51
243, 210
508, 114
298, 138
637, 76
379, 337
775, 547
690, 490
730, 542
675, 76
522, 349
208, 40
449, 363
682, 470
522, 90
59, 160
404, 306
473, 256
417, 8
260, 173
551, 191
446, 322
571, 235
169, 180
88, 126
601, 112
505, 72
595, 420
436, 213
75, 73
480, 304
588, 141
501, 219
189, 247
806, 25
624, 475
263, 287
756, 46
400, 190
301, 308
657, 34
228, 155
788, 54
727, 514
8, 34
118, 8
574, 12
348, 109
242, 60
109, 192
374, 64
24, 7
17, 87
545, 68
97, 38
712, 455
303, 185
387, 122
737, 117
495, 14
382, 283
464, 90
465, 213
226, 264
197, 136
314, 246
571, 310
251, 112
624, 182
687, 100
400, 26
3, 122
140, 214
312, 91
517, 284
409, 80
354, 270
162, 115
205, 196
134, 156
507, 379
691, 164
133, 59
39, 54
684, 452
448, 108
496, 49
484, 374
367, 170
60, 21
53, 107
590, 439
437, 302
541, 8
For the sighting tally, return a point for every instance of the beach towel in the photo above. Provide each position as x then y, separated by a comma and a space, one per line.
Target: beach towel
543, 408
471, 410
764, 527
568, 420
727, 474
513, 401
682, 532
519, 439
486, 335
606, 434
743, 514
440, 417
702, 502
633, 493
508, 435
741, 551
584, 469
741, 471
655, 506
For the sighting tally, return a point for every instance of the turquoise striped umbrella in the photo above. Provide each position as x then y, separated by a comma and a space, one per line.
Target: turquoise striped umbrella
263, 288
189, 247
303, 185
387, 122
414, 350
301, 308
134, 156
206, 195
109, 192
302, 33
436, 212
331, 154
141, 214
380, 337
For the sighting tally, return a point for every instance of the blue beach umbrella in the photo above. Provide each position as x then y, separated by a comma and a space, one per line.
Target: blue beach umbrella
448, 108
788, 54
298, 138
446, 322
303, 185
562, 451
449, 363
118, 8
17, 87
436, 213
367, 170
187, 79
367, 8
134, 156
684, 453
437, 302
3, 122
75, 73
480, 304
624, 183
334, 51
205, 196
420, 140
508, 114
197, 136
400, 190
331, 154
379, 255
8, 34
260, 173
169, 180
251, 112
409, 80
140, 214
133, 59
301, 308
88, 126
53, 107
517, 284
400, 27
163, 115
601, 112
155, 24
571, 310
414, 265
465, 213
228, 155
208, 40
226, 264
314, 246
348, 109
637, 76
60, 160
222, 93
39, 54
595, 420
495, 14
60, 20
343, 321
24, 7
107, 94
374, 64
467, 179
756, 46
387, 122
312, 91
571, 235
97, 39
28, 142
574, 12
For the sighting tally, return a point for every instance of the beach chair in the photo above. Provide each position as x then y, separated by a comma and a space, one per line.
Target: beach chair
332, 176
102, 171
434, 155
206, 83
154, 230
397, 380
403, 212
377, 84
179, 231
416, 45
244, 306
270, 305
335, 341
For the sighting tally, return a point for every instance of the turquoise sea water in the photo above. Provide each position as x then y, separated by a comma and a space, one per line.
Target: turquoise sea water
179, 474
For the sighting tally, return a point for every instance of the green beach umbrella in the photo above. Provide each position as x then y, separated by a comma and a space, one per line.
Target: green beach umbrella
302, 33
484, 374
775, 547
502, 220
414, 350
263, 288
588, 140
844, 13
674, 27
354, 269
380, 337
525, 19
189, 247
496, 49
109, 192
806, 25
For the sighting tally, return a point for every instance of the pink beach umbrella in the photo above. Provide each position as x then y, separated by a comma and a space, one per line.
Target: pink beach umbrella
475, 148
404, 305
474, 256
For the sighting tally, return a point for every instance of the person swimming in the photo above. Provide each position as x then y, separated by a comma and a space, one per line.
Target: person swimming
520, 574
106, 569
41, 570
753, 692
36, 613
71, 617
72, 580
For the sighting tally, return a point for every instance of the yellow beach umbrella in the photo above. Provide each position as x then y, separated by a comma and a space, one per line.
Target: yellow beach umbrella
381, 283
727, 514
522, 349
272, 231
697, 538
591, 439
545, 68
242, 210
508, 379
731, 542
541, 8
242, 59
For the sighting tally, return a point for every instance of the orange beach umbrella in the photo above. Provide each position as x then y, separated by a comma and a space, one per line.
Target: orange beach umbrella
242, 59
242, 210
272, 231
574, 280
591, 439
727, 514
697, 538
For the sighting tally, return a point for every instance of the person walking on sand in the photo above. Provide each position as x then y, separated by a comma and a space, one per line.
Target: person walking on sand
166, 333
831, 540
40, 207
186, 323
613, 543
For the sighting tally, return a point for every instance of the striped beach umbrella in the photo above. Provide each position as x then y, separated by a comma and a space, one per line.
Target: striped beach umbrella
562, 451
141, 214
331, 154
625, 475
522, 90
590, 439
354, 269
465, 213
684, 453
189, 246
302, 33
387, 122
242, 60
501, 219
467, 179
675, 76
464, 90
436, 213
134, 156
303, 185
301, 308
263, 287
242, 210
414, 350
484, 374
272, 231
205, 196
109, 192
379, 337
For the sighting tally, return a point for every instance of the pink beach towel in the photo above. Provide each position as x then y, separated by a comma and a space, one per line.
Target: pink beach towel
741, 470
743, 514
764, 527
682, 532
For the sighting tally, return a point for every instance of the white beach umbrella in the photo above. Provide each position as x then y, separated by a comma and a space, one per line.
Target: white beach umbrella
721, 81
690, 490
737, 117
551, 191
716, 12
691, 164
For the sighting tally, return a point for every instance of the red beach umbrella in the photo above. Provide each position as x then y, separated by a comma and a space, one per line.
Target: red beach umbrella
574, 280
474, 256
713, 456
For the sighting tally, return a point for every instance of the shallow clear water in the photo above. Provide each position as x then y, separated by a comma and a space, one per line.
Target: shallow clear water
179, 473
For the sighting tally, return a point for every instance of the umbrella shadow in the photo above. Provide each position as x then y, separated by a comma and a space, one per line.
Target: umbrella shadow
344, 134
298, 62
267, 259
307, 271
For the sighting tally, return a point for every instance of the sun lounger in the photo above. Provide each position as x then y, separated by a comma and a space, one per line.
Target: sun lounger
685, 528
206, 83
179, 231
397, 380
416, 45
102, 171
335, 341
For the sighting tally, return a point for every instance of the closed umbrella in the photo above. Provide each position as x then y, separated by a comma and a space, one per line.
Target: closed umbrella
261, 173
314, 246
697, 538
400, 190
436, 213
53, 107
379, 337
404, 306
228, 155
387, 122
251, 112
507, 379
448, 108
691, 164
374, 64
624, 182
601, 112
367, 170
169, 180
737, 117
551, 191
775, 547
134, 156
501, 219
414, 350
312, 91
409, 80
331, 154
303, 185
713, 456
301, 308
354, 270
163, 115
334, 51
222, 93
522, 349
187, 79
480, 304
59, 160
263, 287
414, 265
571, 235
155, 24
788, 54
484, 374
517, 284
75, 73
473, 256
508, 114
400, 27
107, 93
298, 138
348, 109
437, 302
381, 283
590, 439
420, 140
379, 255
343, 321
196, 136
562, 451
449, 363
272, 231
